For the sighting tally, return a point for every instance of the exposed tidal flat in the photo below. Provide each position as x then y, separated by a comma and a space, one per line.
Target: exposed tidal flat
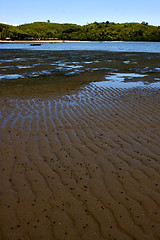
34, 73
79, 145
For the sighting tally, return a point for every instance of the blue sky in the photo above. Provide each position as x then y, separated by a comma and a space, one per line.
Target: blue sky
80, 12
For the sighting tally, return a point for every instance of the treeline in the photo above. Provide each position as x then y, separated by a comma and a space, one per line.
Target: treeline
104, 31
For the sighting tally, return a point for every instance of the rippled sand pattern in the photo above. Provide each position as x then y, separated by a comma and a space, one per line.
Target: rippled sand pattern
81, 166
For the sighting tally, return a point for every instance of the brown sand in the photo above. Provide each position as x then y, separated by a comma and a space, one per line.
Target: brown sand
83, 166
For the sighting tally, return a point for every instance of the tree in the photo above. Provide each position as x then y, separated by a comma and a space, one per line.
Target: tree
144, 23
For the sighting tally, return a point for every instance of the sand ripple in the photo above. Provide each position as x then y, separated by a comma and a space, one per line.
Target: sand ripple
81, 166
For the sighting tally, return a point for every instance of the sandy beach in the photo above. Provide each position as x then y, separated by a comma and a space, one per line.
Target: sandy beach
39, 41
49, 41
81, 166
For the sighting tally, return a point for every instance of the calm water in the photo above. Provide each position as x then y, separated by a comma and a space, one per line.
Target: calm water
152, 47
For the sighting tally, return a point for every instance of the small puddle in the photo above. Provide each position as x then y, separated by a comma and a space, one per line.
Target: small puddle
11, 76
118, 80
122, 76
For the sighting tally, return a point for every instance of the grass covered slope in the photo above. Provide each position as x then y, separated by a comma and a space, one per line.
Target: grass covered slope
104, 31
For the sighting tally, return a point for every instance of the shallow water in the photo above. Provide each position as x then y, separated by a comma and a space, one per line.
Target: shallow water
96, 46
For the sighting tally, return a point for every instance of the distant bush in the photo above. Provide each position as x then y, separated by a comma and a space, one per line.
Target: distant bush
105, 31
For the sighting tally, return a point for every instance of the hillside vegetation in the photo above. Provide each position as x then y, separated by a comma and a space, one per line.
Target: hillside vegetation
105, 31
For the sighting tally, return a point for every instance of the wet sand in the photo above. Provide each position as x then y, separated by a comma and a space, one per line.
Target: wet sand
81, 166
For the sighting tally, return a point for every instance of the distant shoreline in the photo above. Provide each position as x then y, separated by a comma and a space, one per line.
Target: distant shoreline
64, 41
57, 41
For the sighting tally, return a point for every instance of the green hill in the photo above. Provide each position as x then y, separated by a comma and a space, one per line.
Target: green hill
105, 31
